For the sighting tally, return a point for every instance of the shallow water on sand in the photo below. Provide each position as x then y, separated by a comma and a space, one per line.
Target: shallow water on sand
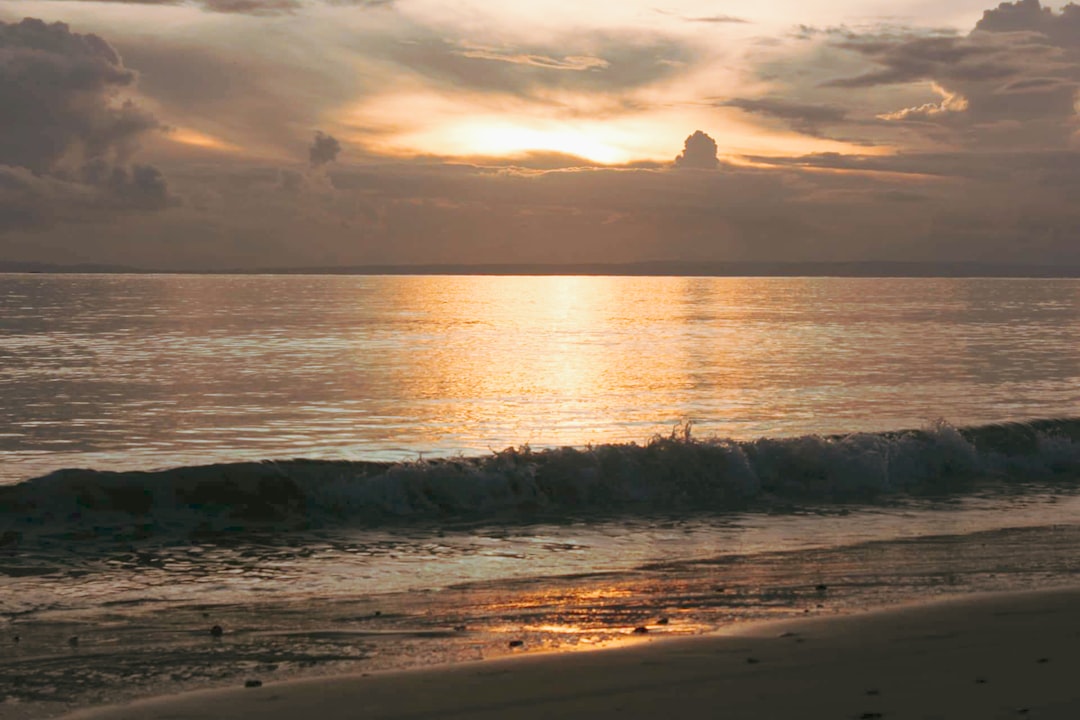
358, 601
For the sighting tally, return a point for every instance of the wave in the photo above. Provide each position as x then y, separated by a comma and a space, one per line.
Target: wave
676, 473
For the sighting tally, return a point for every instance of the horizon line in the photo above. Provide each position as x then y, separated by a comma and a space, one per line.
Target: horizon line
650, 268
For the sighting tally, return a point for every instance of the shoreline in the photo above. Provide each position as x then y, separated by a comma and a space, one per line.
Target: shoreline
971, 656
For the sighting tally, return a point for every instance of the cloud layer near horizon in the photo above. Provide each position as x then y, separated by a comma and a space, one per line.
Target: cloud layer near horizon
285, 133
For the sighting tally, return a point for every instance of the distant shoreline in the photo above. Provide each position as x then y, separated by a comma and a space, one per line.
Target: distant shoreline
642, 269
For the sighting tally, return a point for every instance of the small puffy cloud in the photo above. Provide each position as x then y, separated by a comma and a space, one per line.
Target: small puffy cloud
324, 149
313, 179
950, 102
699, 152
69, 136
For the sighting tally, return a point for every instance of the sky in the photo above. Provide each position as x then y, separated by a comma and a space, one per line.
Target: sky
218, 134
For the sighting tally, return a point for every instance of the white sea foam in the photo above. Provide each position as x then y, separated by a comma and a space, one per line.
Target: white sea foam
676, 473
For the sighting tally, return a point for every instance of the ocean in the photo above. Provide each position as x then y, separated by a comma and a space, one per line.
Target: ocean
353, 473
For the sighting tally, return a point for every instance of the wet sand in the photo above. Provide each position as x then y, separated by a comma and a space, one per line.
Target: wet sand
979, 657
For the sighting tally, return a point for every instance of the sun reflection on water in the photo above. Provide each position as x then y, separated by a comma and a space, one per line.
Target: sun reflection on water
139, 372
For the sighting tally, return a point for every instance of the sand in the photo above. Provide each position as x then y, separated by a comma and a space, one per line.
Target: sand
978, 657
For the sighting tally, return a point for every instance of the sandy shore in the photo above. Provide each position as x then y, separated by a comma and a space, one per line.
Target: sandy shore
981, 657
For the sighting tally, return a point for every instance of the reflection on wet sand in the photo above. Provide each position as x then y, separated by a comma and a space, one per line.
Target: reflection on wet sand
153, 647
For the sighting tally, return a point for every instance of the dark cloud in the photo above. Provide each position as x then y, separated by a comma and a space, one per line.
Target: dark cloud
312, 180
57, 92
1012, 81
140, 187
699, 151
26, 199
1030, 15
30, 201
238, 7
324, 149
807, 118
249, 7
911, 59
291, 181
65, 124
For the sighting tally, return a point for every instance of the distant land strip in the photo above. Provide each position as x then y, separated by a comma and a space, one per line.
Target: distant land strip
640, 269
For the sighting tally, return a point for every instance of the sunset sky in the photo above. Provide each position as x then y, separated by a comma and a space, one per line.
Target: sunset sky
209, 134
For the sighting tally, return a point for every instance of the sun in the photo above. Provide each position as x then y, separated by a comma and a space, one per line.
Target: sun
498, 137
507, 139
194, 138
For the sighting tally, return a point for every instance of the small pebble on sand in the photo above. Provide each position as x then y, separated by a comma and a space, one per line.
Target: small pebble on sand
252, 683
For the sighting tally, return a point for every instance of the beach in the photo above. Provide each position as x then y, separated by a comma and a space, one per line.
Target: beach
401, 359
359, 476
977, 656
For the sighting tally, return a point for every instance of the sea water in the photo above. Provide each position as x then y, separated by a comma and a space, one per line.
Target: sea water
356, 473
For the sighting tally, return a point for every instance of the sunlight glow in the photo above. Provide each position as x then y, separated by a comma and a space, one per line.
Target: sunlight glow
509, 139
414, 122
187, 136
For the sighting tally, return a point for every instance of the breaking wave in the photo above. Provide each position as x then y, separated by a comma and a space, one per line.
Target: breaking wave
676, 473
